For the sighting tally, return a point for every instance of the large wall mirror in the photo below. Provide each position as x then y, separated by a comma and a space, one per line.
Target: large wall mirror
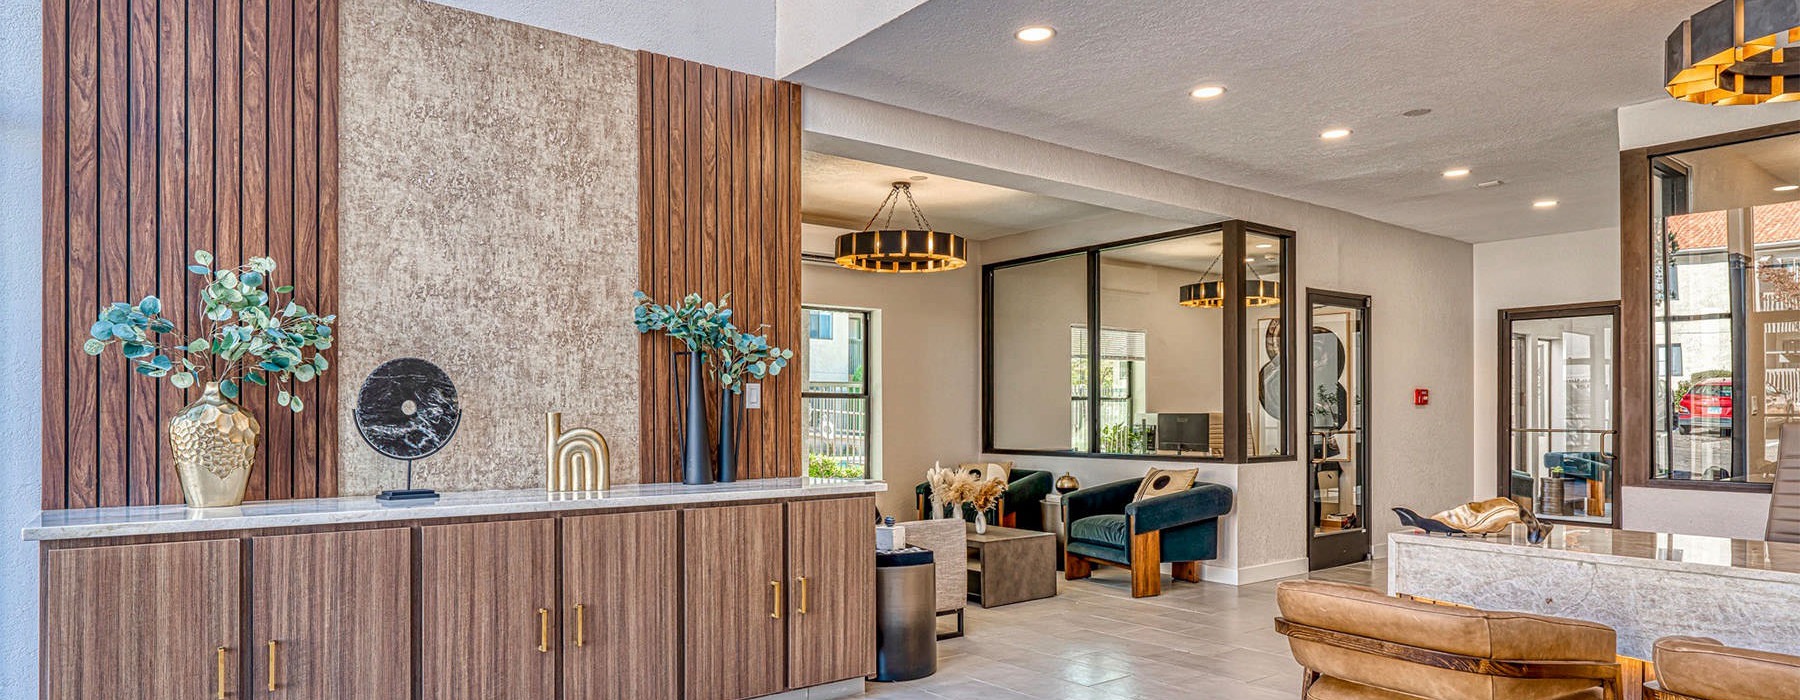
1191, 347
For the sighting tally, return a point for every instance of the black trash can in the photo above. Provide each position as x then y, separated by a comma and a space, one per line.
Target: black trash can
905, 615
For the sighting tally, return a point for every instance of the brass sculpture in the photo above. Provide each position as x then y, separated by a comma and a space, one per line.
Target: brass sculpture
576, 459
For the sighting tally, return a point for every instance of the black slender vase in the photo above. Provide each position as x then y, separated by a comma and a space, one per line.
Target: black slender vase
727, 435
696, 468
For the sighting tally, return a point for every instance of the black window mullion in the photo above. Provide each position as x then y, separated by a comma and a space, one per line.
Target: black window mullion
1093, 363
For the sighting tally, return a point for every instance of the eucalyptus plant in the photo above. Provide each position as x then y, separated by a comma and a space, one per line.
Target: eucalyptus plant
706, 327
245, 340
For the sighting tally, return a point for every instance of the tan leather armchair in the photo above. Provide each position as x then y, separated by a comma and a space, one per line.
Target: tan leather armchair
1697, 668
1357, 644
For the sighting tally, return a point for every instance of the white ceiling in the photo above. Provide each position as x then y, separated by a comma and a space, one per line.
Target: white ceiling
843, 193
1522, 91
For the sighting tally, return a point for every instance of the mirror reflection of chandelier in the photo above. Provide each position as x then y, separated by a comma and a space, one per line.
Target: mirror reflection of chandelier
1211, 295
901, 249
1735, 53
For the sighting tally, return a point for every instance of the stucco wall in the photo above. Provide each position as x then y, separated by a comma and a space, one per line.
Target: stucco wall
489, 224
21, 289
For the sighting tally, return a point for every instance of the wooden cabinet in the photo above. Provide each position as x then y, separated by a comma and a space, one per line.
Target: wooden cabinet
735, 592
831, 567
331, 615
142, 621
621, 577
488, 610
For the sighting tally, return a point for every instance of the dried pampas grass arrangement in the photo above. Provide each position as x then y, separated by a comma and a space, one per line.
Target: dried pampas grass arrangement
986, 494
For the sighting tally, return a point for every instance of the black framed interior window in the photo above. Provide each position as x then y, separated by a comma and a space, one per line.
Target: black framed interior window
1192, 360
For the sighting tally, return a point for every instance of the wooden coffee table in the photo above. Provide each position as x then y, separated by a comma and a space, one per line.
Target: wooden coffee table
1008, 565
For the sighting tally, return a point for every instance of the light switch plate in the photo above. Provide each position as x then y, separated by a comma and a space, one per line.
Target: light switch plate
752, 395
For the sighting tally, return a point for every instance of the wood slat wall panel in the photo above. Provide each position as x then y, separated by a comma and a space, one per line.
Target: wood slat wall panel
720, 214
159, 139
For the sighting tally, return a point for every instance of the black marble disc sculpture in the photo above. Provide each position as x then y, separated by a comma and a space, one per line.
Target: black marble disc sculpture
407, 410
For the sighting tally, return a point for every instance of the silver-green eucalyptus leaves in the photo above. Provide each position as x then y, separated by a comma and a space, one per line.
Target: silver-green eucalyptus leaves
247, 340
705, 327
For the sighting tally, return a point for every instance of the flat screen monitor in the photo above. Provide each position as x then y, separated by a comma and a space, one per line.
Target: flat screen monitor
1183, 432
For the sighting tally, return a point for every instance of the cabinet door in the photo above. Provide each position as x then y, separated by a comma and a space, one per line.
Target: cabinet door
734, 592
481, 587
331, 615
831, 567
621, 582
142, 621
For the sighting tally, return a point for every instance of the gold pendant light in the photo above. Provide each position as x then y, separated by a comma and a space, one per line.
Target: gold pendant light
1735, 53
1211, 295
901, 249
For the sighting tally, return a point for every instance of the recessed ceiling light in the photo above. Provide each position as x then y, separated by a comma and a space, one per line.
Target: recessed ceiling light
1035, 34
1456, 172
1207, 92
916, 178
1420, 112
1249, 259
1544, 203
1334, 134
1787, 188
1265, 245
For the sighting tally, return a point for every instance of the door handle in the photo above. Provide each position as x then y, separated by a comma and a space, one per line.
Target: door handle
544, 630
220, 654
776, 599
580, 624
271, 665
802, 608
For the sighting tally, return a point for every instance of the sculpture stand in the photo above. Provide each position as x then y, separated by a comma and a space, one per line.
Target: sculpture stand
406, 494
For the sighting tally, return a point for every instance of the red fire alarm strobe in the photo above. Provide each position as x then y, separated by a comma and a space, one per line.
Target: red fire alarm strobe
1421, 397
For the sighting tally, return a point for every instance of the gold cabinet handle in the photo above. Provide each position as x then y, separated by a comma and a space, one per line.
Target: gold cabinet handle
220, 652
802, 609
580, 624
544, 630
271, 665
776, 598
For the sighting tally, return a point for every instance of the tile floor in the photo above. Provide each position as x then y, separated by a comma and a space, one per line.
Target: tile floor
1093, 640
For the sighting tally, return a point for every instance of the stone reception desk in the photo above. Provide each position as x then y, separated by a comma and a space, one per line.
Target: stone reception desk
1646, 585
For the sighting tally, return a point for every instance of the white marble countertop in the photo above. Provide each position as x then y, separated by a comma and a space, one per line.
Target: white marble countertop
1724, 556
87, 523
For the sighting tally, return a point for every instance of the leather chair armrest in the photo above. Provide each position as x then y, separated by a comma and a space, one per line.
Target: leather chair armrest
1202, 502
923, 489
1105, 499
1027, 491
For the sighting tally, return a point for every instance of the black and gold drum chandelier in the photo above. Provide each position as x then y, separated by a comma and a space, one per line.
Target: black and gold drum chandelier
890, 249
1735, 53
1211, 295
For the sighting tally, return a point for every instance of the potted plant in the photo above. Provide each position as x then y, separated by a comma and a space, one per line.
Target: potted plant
730, 355
246, 341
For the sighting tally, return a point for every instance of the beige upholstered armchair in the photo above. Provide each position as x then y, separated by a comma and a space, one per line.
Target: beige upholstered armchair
1354, 642
948, 542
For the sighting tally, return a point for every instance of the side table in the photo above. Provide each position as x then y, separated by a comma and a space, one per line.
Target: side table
1008, 565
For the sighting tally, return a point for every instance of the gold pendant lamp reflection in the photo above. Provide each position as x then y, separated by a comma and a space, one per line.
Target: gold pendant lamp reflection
901, 249
1211, 295
1735, 53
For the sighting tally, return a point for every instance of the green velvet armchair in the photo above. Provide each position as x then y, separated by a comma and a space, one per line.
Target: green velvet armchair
1107, 527
1020, 508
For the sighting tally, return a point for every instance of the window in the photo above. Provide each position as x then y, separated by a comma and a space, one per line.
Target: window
838, 414
1187, 319
819, 325
1121, 396
1725, 310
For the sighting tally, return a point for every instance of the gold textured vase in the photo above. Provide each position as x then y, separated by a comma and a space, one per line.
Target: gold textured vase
214, 441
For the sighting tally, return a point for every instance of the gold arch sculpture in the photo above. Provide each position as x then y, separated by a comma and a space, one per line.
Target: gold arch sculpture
576, 459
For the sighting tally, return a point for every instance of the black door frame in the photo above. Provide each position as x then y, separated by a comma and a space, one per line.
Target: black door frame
1324, 551
1503, 399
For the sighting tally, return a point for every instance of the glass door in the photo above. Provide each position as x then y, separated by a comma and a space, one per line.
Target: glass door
1557, 438
1337, 431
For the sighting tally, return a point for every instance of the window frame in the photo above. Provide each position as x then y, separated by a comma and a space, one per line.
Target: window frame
1503, 443
1637, 363
868, 381
1236, 398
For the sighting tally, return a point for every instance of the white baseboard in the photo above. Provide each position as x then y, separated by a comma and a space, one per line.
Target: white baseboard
829, 691
1379, 551
1254, 574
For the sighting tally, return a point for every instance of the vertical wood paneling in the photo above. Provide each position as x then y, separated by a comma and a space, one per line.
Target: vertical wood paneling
159, 122
56, 328
720, 214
